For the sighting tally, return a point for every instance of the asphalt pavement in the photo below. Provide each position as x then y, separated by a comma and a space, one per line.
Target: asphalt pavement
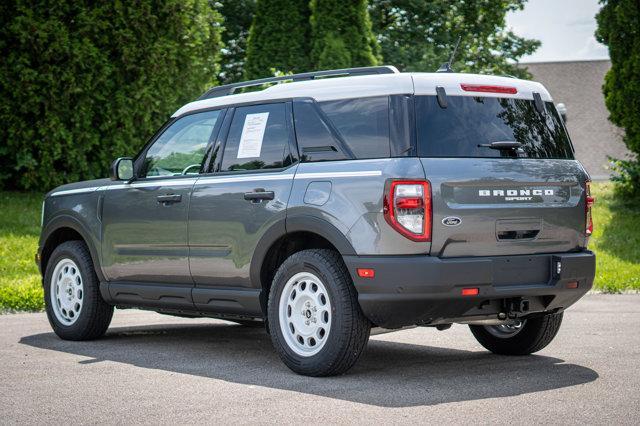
158, 369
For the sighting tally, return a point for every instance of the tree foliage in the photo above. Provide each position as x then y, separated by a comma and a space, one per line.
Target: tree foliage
238, 15
341, 34
83, 82
619, 29
278, 38
419, 35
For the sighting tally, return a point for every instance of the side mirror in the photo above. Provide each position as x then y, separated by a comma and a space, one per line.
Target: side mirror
122, 169
562, 110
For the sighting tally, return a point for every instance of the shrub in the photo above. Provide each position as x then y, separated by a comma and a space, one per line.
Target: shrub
627, 177
83, 82
619, 29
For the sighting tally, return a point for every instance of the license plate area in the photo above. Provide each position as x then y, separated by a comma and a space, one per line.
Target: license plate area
519, 270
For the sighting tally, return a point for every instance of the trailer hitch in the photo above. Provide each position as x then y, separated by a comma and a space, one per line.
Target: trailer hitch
512, 307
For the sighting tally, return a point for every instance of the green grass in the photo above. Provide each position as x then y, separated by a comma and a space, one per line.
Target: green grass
616, 241
20, 286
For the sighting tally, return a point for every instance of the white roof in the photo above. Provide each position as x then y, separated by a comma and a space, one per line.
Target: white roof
327, 89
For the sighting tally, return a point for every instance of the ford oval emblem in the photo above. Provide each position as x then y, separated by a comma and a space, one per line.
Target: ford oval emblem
451, 221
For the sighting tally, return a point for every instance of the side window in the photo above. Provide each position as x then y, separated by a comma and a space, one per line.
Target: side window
362, 123
181, 148
315, 140
258, 139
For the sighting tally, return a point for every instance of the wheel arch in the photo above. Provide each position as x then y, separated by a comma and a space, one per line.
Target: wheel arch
285, 238
66, 228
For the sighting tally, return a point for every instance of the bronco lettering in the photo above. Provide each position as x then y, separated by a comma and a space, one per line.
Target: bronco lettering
514, 192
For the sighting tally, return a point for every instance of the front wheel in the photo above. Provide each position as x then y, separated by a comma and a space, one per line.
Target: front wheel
316, 324
523, 337
75, 309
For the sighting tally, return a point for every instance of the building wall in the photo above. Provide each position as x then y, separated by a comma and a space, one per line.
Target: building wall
578, 84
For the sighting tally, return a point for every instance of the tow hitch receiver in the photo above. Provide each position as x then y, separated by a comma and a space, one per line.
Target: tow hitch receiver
512, 307
520, 305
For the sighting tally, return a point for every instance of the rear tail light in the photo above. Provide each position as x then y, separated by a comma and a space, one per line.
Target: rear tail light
407, 208
589, 201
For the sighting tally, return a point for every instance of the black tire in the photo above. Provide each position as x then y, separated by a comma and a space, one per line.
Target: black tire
95, 316
349, 328
535, 335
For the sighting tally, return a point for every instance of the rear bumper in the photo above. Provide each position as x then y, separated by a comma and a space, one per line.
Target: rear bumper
409, 290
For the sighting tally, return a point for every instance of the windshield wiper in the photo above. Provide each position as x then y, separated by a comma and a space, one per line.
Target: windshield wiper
501, 145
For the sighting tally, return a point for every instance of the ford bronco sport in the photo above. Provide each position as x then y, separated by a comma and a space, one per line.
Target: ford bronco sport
331, 202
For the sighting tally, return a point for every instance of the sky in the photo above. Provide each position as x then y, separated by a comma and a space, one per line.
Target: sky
565, 28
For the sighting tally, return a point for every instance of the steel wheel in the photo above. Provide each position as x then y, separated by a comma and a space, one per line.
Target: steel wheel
505, 331
67, 291
305, 314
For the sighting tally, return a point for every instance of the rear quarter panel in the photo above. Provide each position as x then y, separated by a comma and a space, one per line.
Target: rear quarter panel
354, 204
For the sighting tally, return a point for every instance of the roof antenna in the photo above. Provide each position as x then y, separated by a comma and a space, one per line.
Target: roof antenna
446, 67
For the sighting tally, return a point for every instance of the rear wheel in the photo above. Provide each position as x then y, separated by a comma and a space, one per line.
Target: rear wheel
521, 337
316, 324
75, 309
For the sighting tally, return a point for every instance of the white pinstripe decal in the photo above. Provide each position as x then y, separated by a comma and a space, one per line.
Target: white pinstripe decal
221, 179
75, 191
318, 175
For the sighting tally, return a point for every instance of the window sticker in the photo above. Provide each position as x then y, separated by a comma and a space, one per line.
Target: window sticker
252, 135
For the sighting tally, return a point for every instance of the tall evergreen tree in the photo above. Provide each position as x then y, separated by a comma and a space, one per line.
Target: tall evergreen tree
341, 34
619, 29
238, 15
418, 35
278, 38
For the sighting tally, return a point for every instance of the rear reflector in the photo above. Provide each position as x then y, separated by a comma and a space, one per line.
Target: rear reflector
488, 89
470, 291
366, 273
572, 284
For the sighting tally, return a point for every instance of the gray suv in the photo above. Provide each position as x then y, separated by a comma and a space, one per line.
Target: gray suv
331, 202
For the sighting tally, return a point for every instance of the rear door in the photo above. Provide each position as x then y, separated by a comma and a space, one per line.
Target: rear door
490, 201
232, 208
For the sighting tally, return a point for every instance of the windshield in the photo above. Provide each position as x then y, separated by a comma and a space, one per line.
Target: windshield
470, 121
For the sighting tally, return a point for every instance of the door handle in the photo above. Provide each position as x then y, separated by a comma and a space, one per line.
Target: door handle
259, 194
169, 199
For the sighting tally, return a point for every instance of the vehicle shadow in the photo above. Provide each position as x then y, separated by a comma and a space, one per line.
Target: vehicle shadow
388, 374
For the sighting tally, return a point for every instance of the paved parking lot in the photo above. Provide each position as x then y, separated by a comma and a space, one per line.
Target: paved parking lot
158, 369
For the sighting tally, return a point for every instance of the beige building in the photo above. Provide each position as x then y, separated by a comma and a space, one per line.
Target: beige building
578, 84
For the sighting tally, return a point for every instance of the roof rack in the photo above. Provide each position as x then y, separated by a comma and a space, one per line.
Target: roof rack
229, 89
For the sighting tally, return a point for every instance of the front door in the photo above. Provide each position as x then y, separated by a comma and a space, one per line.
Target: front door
232, 209
145, 222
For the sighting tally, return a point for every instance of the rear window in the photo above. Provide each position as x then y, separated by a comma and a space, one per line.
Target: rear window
456, 131
315, 139
362, 123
